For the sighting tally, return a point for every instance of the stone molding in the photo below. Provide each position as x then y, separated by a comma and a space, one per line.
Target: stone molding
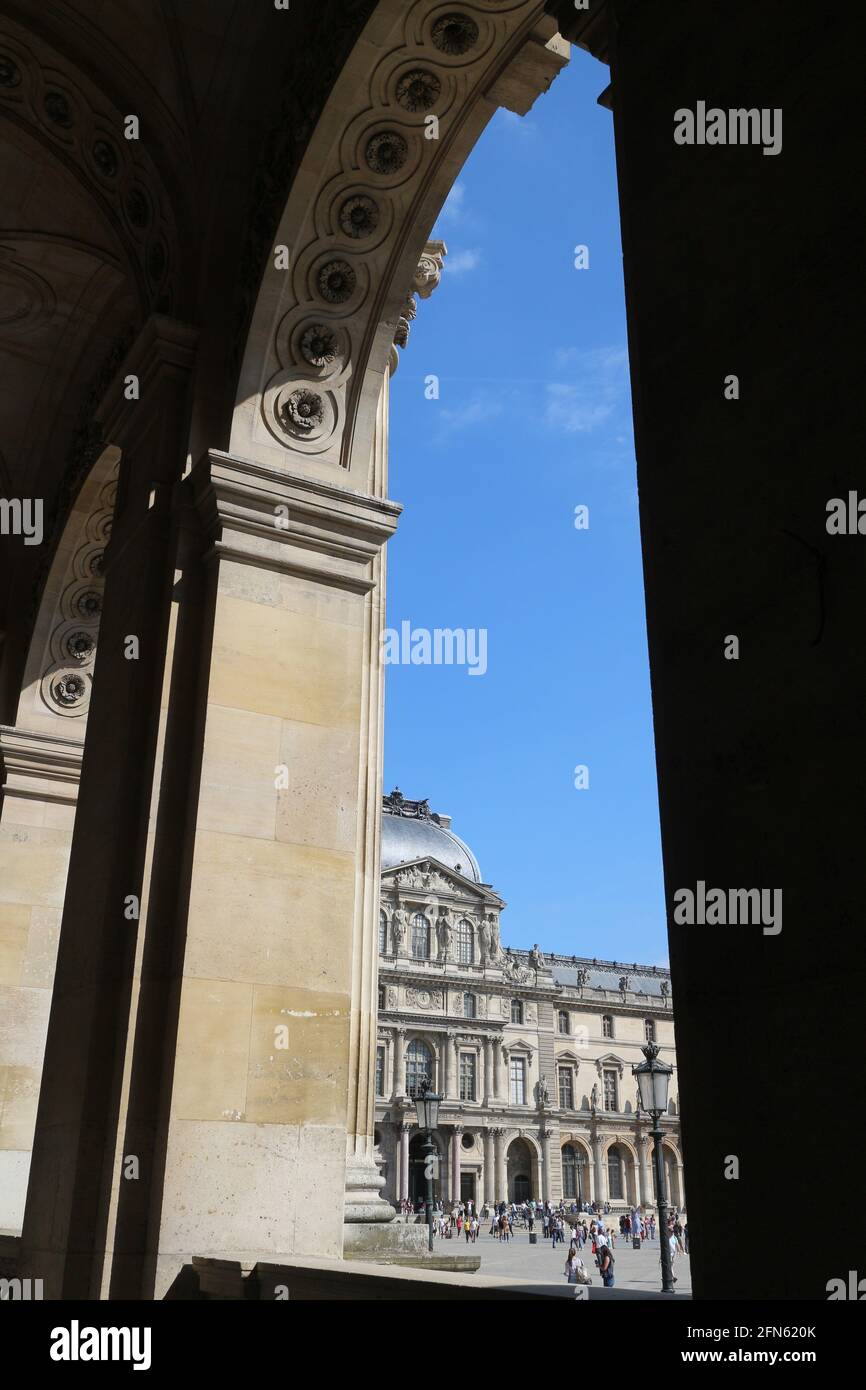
287, 522
40, 767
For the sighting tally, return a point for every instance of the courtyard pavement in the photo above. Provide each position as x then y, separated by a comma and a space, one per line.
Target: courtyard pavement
517, 1259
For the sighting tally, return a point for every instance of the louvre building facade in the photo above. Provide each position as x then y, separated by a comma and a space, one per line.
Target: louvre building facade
532, 1052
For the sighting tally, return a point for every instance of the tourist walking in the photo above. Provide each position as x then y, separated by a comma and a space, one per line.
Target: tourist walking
605, 1266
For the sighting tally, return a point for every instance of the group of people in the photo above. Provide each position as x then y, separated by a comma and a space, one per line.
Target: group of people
462, 1218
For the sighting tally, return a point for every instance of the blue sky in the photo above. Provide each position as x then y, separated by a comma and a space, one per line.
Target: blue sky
533, 419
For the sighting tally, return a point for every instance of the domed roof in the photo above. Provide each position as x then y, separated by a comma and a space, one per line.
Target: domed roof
409, 832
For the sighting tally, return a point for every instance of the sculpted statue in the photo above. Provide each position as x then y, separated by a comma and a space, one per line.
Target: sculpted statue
483, 941
444, 934
665, 989
593, 1098
624, 983
536, 958
542, 1093
582, 977
398, 929
495, 948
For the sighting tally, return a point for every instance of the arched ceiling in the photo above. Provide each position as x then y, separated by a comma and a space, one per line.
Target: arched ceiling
97, 232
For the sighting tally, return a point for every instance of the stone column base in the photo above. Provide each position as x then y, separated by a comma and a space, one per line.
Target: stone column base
371, 1240
364, 1202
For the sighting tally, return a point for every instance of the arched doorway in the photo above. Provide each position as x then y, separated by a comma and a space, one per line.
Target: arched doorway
575, 1173
520, 1169
620, 1184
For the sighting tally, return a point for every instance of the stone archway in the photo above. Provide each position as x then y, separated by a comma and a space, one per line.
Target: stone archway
521, 1167
270, 550
620, 1172
576, 1163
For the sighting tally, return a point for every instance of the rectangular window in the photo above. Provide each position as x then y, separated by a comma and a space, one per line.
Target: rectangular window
610, 1099
517, 1072
566, 1092
380, 1071
467, 1075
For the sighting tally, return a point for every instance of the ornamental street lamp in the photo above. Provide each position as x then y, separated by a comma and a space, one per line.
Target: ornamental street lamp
427, 1108
653, 1079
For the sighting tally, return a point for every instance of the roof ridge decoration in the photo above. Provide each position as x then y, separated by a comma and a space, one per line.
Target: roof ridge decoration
396, 804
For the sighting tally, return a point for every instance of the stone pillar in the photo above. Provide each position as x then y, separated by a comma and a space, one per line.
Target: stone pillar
599, 1186
456, 1155
501, 1175
488, 1071
404, 1161
646, 1190
735, 808
38, 813
399, 1061
545, 1135
453, 1083
290, 566
488, 1177
498, 1067
81, 1122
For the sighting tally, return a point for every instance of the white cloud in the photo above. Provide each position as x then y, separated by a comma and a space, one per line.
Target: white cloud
473, 412
518, 125
593, 395
463, 261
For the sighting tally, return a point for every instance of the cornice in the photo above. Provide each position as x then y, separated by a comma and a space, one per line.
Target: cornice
39, 766
439, 1023
273, 519
637, 1006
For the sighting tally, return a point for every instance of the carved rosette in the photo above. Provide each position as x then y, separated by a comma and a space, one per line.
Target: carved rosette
319, 345
69, 689
336, 282
418, 90
386, 152
79, 646
359, 216
454, 34
303, 411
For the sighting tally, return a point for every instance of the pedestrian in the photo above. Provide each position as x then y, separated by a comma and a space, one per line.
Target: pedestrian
571, 1265
605, 1266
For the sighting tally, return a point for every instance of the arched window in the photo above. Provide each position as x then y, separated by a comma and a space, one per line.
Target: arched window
419, 1065
465, 942
420, 936
381, 996
516, 1011
649, 1029
614, 1175
469, 1007
607, 1026
569, 1171
562, 1018
383, 931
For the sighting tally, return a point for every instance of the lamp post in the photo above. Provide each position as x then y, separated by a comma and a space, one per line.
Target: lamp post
653, 1080
427, 1108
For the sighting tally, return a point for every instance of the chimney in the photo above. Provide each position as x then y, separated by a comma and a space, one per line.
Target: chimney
444, 821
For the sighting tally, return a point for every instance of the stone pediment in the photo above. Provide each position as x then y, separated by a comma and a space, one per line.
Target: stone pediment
429, 876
